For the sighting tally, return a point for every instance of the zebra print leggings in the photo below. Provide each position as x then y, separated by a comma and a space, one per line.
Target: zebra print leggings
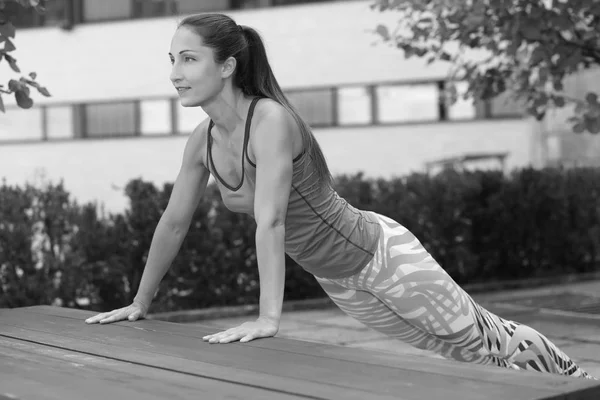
404, 293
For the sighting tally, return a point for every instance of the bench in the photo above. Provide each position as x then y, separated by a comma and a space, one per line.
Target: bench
51, 353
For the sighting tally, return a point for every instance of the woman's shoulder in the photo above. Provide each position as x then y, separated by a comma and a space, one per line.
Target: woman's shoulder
270, 111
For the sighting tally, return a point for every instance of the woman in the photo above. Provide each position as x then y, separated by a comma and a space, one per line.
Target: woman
268, 164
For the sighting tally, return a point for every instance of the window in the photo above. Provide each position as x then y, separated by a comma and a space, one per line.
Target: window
154, 8
287, 2
59, 122
246, 4
110, 119
354, 106
314, 106
155, 117
56, 12
21, 124
462, 109
197, 6
408, 103
102, 10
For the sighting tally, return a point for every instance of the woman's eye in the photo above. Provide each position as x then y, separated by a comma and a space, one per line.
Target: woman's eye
188, 59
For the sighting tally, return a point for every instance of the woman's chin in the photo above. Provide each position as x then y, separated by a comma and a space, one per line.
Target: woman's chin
189, 102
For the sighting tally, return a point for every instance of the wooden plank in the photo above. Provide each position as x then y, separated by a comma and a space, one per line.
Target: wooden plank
99, 348
31, 371
129, 340
530, 379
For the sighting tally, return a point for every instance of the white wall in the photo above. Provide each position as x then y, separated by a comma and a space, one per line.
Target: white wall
319, 44
96, 169
309, 45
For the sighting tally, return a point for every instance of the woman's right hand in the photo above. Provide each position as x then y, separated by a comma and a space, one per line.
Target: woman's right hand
132, 312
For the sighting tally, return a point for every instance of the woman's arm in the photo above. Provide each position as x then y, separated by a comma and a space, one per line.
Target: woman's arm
174, 224
172, 228
272, 145
273, 149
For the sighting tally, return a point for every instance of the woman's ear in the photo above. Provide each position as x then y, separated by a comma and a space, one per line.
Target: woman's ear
229, 67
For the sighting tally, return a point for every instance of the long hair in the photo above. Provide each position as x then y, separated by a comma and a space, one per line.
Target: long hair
253, 74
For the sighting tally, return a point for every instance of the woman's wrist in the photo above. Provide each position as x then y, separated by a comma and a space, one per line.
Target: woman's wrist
144, 304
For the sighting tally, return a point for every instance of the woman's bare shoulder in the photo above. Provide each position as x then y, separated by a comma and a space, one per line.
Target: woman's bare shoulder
272, 112
270, 108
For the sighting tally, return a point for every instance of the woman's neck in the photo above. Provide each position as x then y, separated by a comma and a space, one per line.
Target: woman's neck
228, 111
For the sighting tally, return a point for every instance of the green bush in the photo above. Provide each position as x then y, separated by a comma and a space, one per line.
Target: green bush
480, 226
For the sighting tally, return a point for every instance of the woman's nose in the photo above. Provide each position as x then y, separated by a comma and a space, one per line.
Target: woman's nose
175, 76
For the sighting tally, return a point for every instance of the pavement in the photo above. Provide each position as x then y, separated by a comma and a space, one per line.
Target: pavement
576, 334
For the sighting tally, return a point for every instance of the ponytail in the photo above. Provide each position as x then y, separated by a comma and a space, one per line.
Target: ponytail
257, 79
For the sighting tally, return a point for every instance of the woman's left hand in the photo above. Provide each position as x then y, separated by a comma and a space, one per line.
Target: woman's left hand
261, 328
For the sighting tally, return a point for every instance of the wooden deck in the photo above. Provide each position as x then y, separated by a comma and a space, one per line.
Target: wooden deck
51, 353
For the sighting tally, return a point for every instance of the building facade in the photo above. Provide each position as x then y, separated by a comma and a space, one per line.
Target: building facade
114, 115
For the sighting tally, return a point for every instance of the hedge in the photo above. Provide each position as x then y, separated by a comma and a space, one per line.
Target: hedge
480, 226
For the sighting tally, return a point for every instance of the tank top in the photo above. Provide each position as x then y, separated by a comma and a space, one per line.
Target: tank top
324, 234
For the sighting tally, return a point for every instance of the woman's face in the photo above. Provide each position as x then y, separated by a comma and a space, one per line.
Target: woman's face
194, 73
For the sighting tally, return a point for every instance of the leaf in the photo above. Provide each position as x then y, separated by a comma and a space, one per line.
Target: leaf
426, 20
32, 75
12, 62
7, 29
531, 31
541, 100
14, 85
537, 55
591, 98
445, 57
579, 127
573, 61
594, 110
9, 46
558, 85
44, 91
23, 100
559, 101
473, 22
383, 31
592, 125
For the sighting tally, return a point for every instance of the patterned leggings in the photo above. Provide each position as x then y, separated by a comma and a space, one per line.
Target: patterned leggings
404, 293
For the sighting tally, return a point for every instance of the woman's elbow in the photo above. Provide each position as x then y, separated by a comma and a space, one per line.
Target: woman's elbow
272, 223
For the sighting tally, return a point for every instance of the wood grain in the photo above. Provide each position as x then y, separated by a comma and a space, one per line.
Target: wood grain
302, 372
406, 362
32, 371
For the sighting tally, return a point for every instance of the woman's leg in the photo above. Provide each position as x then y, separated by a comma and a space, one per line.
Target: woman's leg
406, 279
372, 312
